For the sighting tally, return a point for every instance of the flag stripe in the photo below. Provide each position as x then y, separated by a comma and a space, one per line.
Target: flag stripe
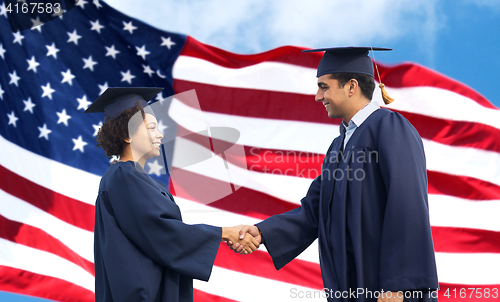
24, 234
79, 240
463, 240
199, 295
401, 75
40, 262
65, 208
468, 268
28, 283
461, 186
303, 273
48, 173
451, 211
445, 130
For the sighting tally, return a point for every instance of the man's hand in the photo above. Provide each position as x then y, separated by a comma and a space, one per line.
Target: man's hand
245, 244
391, 297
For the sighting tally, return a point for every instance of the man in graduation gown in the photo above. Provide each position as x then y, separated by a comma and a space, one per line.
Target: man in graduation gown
369, 208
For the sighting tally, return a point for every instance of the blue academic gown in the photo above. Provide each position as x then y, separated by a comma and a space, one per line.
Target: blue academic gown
142, 249
372, 224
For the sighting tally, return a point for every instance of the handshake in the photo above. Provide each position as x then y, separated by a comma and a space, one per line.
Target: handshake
243, 239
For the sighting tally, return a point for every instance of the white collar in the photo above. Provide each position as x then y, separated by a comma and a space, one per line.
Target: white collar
362, 114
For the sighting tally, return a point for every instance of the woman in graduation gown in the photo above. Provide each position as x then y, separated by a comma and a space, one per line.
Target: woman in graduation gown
143, 251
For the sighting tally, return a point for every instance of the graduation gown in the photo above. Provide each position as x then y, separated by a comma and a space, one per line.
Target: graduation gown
369, 211
142, 249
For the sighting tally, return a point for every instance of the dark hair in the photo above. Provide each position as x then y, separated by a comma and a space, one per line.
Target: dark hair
111, 137
365, 82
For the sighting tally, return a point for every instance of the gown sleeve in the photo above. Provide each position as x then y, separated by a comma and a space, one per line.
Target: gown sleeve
152, 221
407, 259
289, 234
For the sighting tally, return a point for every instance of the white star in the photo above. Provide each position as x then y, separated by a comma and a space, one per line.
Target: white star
12, 119
129, 27
47, 91
142, 52
127, 76
32, 64
103, 87
63, 117
148, 70
167, 42
73, 37
28, 105
3, 10
97, 128
37, 24
79, 144
97, 4
159, 97
96, 26
155, 168
14, 78
44, 132
18, 37
83, 103
89, 63
59, 14
2, 51
81, 3
161, 126
1, 92
53, 50
67, 77
111, 51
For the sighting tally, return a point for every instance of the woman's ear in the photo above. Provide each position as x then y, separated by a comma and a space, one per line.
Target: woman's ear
128, 140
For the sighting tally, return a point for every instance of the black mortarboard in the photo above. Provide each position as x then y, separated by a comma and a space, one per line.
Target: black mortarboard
116, 99
349, 60
345, 59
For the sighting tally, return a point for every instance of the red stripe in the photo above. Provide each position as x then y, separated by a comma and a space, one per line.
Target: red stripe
413, 75
455, 133
257, 103
470, 293
259, 263
31, 284
461, 186
283, 106
36, 238
284, 54
63, 207
463, 240
201, 296
401, 75
243, 201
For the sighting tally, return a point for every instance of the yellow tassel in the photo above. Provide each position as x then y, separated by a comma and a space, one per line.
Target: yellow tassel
387, 99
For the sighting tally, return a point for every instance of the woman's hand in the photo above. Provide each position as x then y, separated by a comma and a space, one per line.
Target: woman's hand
232, 235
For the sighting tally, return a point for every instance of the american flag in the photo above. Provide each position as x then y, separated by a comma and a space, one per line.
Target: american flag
50, 168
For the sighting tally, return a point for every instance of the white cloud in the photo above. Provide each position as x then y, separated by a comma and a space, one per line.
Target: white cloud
259, 25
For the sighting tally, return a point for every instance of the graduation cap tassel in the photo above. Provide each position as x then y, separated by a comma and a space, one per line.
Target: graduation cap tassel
385, 96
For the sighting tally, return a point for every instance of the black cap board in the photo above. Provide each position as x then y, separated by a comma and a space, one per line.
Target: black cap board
116, 99
346, 59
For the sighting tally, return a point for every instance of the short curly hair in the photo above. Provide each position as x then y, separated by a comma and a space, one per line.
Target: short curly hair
111, 137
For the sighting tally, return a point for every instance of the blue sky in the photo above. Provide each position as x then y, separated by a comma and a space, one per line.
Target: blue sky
457, 38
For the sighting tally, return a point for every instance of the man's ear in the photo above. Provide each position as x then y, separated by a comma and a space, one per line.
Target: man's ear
353, 86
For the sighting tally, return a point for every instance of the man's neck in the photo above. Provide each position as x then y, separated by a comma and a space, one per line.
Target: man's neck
355, 109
